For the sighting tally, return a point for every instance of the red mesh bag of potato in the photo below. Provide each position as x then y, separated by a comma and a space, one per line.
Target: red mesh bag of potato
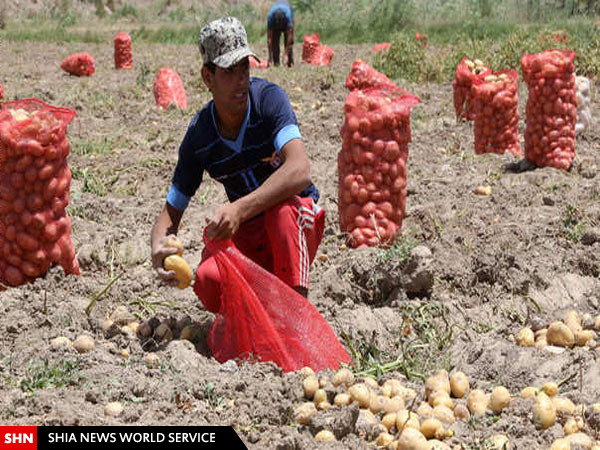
467, 71
123, 55
324, 56
496, 103
363, 76
80, 64
310, 47
372, 164
262, 64
381, 47
1, 92
35, 231
551, 111
168, 89
263, 319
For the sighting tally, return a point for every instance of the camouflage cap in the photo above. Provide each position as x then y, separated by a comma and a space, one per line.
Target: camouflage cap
224, 42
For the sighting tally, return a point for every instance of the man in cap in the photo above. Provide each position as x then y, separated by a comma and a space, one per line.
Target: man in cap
280, 20
248, 139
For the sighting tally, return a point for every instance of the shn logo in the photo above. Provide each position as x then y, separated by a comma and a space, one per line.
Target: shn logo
18, 438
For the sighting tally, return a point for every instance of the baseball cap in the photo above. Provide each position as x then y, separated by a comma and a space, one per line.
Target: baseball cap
224, 42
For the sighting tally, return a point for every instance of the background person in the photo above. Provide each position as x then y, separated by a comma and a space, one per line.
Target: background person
280, 20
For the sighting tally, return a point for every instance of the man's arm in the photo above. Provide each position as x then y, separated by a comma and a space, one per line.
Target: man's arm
288, 180
165, 224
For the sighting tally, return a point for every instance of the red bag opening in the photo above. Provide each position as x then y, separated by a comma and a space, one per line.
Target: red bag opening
263, 319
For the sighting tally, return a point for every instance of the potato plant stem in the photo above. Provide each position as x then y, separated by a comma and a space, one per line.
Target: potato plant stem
101, 293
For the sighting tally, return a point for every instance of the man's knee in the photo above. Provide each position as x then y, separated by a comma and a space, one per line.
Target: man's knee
208, 284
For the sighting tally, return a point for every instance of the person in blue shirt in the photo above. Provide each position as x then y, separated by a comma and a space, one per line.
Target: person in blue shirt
280, 20
247, 138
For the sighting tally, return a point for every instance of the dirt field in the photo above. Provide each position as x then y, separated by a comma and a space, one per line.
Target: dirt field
528, 249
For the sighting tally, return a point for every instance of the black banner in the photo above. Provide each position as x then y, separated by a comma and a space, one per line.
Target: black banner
145, 437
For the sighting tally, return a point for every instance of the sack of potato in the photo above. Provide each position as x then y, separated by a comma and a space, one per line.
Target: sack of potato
467, 71
372, 164
496, 102
123, 56
551, 110
168, 89
79, 64
35, 231
363, 76
584, 105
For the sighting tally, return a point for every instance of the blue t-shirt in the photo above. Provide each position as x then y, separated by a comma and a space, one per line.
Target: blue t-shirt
286, 8
242, 165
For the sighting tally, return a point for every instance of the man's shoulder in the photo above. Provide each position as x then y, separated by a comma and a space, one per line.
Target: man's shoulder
199, 128
262, 90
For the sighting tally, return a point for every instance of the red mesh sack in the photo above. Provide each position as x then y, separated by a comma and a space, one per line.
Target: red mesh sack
496, 104
1, 92
310, 47
263, 319
381, 47
466, 72
80, 64
372, 164
324, 56
551, 111
35, 231
363, 76
168, 89
263, 64
123, 55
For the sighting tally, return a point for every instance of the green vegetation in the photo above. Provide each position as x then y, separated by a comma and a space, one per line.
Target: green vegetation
44, 374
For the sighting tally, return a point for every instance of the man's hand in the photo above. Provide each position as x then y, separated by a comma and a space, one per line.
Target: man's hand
159, 253
225, 222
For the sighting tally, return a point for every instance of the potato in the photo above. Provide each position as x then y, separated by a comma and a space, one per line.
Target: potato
323, 405
582, 337
307, 371
499, 442
173, 241
573, 321
437, 382
461, 412
434, 444
444, 414
544, 412
563, 405
407, 419
425, 410
430, 427
377, 403
572, 426
360, 393
561, 335
183, 272
304, 412
113, 409
441, 399
412, 439
477, 402
499, 399
394, 404
342, 399
83, 344
343, 376
310, 385
389, 420
459, 384
392, 387
525, 338
483, 190
581, 440
384, 439
529, 392
320, 396
560, 444
550, 388
324, 436
371, 382
60, 341
323, 381
152, 361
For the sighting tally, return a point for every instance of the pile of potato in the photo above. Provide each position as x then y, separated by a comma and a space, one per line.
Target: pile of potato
548, 407
573, 331
551, 109
35, 231
584, 104
467, 72
496, 102
396, 422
